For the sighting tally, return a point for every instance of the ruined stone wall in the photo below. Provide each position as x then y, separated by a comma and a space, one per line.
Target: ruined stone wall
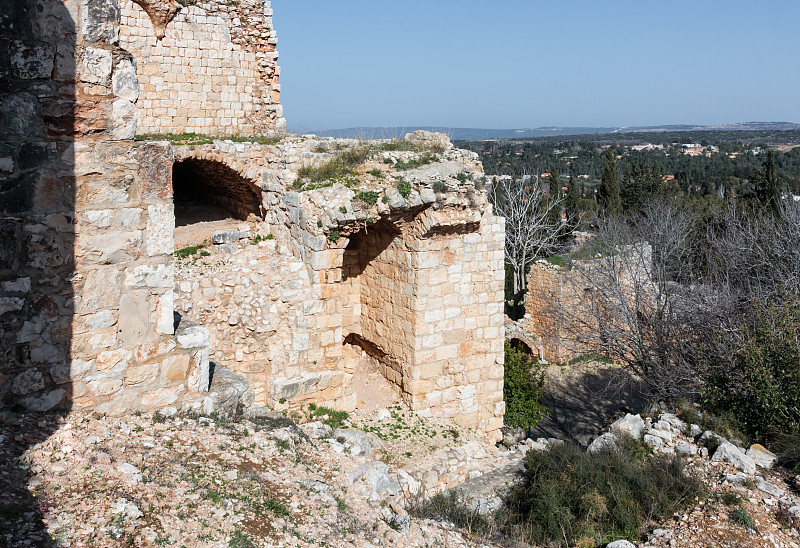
562, 302
545, 292
211, 68
86, 272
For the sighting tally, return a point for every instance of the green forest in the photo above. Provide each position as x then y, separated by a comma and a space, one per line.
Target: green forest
732, 169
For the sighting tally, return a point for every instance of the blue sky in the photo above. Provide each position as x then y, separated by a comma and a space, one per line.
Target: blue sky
508, 64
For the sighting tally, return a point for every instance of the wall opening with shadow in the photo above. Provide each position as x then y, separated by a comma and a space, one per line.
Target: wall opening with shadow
205, 190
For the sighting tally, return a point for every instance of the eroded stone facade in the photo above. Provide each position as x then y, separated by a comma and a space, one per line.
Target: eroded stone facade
89, 285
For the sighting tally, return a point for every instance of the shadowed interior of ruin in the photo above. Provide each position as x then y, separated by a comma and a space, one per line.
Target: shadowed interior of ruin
205, 190
376, 277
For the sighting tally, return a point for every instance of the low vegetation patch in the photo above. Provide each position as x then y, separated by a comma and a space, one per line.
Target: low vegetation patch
413, 163
369, 196
331, 417
187, 251
572, 498
339, 169
189, 138
740, 516
578, 498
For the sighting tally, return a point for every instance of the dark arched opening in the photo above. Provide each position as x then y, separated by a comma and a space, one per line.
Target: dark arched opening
205, 190
519, 344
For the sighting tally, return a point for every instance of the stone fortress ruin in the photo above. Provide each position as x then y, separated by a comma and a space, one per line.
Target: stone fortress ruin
403, 264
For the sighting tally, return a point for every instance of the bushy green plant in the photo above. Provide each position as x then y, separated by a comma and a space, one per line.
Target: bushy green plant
331, 417
523, 382
740, 516
368, 196
334, 236
240, 539
187, 251
404, 188
439, 187
569, 495
414, 163
759, 385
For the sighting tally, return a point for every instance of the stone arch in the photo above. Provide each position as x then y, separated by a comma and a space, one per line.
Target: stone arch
205, 189
521, 345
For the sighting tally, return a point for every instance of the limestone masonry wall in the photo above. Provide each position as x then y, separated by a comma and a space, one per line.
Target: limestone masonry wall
212, 69
97, 312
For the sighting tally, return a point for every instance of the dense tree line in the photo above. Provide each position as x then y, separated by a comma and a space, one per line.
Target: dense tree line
718, 174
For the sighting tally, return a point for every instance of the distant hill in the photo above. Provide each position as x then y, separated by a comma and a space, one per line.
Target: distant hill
481, 134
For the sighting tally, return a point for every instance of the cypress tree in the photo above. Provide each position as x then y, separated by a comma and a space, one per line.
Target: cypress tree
608, 194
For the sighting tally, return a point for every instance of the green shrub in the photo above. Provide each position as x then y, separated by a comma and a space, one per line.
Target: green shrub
331, 417
337, 169
334, 236
523, 381
731, 499
414, 163
759, 385
240, 539
404, 188
740, 516
568, 495
369, 196
187, 251
440, 187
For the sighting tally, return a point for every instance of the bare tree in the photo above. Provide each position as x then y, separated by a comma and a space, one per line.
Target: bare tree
628, 302
533, 224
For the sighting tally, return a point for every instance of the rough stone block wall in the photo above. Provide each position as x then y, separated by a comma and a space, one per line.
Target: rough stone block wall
86, 301
545, 294
557, 296
457, 370
212, 69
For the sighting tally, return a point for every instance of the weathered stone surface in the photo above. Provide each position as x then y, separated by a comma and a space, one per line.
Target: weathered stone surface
762, 456
620, 544
123, 120
99, 20
96, 66
19, 116
124, 82
728, 452
630, 425
604, 442
45, 402
231, 393
228, 236
155, 171
32, 60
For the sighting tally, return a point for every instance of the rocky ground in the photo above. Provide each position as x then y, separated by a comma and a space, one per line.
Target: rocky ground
198, 482
178, 480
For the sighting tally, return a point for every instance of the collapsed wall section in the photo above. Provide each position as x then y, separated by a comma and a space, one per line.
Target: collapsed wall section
208, 68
